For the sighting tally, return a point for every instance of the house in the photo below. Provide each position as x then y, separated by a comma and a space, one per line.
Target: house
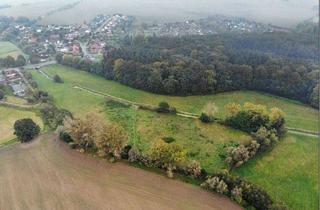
19, 89
12, 75
95, 47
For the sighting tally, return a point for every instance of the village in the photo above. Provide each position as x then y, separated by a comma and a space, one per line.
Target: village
41, 43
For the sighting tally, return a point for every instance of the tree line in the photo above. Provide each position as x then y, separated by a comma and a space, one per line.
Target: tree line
202, 65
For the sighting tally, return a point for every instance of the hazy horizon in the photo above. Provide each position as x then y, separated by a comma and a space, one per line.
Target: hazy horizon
278, 12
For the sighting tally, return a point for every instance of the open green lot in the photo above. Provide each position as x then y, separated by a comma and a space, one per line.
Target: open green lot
298, 115
288, 172
8, 116
202, 141
7, 48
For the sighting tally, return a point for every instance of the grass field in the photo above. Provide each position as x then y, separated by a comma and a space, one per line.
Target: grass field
7, 48
297, 115
7, 118
201, 141
289, 172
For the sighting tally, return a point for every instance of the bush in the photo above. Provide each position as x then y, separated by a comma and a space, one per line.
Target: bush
194, 169
237, 156
125, 152
26, 130
1, 95
166, 156
265, 138
57, 79
239, 190
205, 118
73, 145
168, 139
64, 136
163, 107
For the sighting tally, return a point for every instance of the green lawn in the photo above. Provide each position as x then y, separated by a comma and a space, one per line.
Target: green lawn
7, 48
289, 172
8, 116
298, 115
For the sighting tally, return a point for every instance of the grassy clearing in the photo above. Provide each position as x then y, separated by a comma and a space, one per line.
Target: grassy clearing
288, 172
8, 116
16, 100
7, 48
297, 114
202, 141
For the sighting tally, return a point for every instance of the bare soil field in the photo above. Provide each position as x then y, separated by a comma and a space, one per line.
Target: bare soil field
46, 174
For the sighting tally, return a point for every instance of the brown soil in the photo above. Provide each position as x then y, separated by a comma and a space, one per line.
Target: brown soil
46, 174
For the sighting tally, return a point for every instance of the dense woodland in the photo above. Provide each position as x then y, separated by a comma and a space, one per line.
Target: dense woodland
278, 64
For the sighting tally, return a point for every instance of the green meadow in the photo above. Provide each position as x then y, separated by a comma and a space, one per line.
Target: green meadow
297, 114
288, 172
7, 48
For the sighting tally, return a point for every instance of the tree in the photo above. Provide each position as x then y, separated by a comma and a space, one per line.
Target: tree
208, 112
82, 130
34, 59
21, 61
163, 107
9, 61
57, 79
167, 155
26, 129
1, 95
237, 156
110, 138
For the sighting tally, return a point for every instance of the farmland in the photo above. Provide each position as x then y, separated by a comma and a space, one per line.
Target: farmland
53, 177
7, 118
7, 48
297, 114
203, 142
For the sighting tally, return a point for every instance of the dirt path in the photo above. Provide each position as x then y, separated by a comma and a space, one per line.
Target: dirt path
46, 174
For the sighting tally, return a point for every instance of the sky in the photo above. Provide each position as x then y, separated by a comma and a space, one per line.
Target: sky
278, 12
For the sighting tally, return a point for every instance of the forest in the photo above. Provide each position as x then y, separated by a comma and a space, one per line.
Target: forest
210, 64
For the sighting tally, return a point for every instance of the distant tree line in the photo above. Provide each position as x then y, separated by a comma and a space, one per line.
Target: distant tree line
10, 61
202, 65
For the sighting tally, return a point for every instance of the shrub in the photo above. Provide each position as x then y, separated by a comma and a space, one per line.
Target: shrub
163, 107
209, 112
166, 155
194, 169
265, 138
234, 186
205, 118
125, 152
1, 95
72, 145
168, 139
216, 185
236, 194
26, 129
237, 156
64, 136
134, 155
57, 79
